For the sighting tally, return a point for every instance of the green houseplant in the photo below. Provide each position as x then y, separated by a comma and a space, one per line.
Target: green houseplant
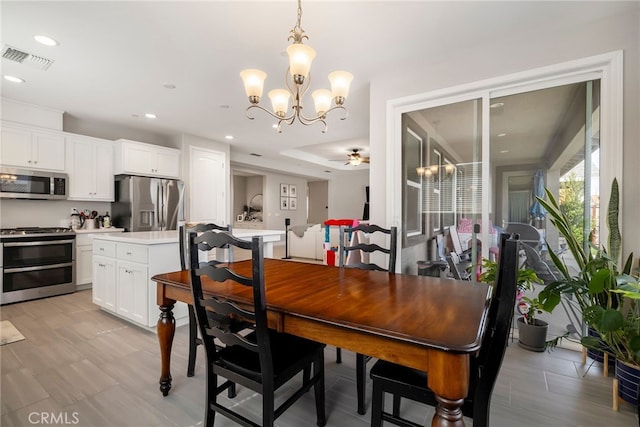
607, 295
532, 332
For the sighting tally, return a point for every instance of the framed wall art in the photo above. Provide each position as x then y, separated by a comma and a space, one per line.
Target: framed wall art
284, 203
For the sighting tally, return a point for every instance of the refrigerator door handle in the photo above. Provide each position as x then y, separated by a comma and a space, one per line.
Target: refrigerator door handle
165, 202
159, 205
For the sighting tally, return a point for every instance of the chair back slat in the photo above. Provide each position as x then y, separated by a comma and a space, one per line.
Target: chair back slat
369, 248
199, 228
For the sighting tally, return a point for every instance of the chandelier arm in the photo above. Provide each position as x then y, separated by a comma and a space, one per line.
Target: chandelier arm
275, 116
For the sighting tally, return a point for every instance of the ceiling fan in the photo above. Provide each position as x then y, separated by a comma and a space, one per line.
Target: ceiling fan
355, 158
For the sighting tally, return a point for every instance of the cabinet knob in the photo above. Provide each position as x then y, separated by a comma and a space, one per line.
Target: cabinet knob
128, 253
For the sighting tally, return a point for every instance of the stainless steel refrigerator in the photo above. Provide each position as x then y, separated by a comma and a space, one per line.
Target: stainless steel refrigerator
147, 204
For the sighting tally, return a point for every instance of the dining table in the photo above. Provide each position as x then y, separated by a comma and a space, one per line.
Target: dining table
428, 323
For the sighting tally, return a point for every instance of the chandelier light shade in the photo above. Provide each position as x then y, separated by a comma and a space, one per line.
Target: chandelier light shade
297, 80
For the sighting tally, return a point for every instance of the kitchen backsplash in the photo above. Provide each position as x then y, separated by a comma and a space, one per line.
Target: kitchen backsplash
44, 213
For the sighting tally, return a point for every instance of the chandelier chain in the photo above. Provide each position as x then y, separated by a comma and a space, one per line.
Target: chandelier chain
297, 33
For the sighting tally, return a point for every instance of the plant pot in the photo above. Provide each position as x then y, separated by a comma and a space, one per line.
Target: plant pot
532, 337
628, 377
598, 355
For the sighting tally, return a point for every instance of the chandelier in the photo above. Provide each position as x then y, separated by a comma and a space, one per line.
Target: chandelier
297, 79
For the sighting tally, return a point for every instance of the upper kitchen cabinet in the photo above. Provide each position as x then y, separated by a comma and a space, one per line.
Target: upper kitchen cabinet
90, 168
32, 148
137, 158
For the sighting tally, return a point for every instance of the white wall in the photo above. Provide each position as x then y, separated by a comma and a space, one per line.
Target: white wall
43, 213
347, 194
510, 55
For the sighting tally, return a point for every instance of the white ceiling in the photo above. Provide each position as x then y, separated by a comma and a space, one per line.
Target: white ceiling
115, 56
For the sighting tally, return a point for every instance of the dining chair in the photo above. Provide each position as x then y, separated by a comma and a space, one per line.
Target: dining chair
369, 248
194, 340
253, 355
401, 381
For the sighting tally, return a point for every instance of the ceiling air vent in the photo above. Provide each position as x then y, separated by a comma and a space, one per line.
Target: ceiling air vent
17, 55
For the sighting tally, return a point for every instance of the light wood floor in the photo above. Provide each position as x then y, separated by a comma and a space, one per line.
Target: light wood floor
86, 365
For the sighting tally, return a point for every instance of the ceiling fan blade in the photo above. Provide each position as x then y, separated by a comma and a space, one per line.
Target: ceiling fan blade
365, 160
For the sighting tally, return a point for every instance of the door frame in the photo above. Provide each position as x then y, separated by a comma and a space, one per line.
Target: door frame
607, 67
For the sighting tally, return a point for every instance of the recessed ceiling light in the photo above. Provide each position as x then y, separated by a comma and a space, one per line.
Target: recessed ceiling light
150, 116
228, 137
497, 105
13, 79
47, 41
502, 134
504, 151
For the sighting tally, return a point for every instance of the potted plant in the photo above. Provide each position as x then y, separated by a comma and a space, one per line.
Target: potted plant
607, 295
532, 332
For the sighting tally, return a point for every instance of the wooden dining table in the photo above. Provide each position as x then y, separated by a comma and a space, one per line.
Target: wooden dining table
423, 322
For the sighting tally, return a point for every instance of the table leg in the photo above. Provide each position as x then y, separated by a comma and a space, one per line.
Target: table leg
449, 379
268, 249
166, 328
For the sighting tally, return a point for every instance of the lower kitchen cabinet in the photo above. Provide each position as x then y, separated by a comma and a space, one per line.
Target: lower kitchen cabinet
122, 274
104, 278
84, 255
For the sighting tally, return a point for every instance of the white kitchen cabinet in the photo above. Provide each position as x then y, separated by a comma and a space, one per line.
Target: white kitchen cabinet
84, 255
90, 168
104, 279
135, 261
32, 148
138, 158
132, 292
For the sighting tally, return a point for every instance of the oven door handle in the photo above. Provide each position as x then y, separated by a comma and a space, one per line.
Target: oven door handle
39, 243
38, 267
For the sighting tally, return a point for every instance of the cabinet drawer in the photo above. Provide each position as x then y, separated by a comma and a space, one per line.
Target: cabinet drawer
134, 253
101, 247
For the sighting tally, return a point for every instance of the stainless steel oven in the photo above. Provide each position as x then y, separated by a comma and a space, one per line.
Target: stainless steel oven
36, 263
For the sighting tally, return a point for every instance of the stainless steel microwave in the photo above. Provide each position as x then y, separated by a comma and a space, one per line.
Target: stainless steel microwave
31, 184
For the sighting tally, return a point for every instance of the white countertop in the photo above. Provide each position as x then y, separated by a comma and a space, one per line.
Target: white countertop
141, 237
98, 230
162, 237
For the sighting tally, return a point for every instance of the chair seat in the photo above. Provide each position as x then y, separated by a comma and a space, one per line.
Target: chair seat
393, 373
289, 353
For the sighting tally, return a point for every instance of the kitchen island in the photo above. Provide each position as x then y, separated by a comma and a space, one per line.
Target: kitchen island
123, 264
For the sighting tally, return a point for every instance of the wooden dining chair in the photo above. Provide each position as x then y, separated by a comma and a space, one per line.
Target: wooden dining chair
401, 381
194, 340
253, 355
369, 248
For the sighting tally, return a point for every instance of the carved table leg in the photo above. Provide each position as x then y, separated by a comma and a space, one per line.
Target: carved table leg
166, 329
449, 379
